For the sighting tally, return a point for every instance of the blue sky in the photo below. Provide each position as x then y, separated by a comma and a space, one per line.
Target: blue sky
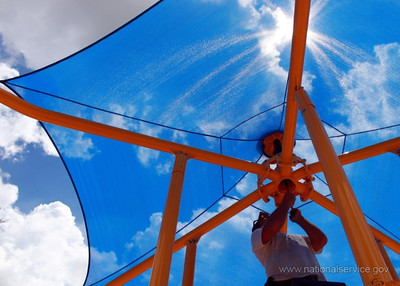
43, 218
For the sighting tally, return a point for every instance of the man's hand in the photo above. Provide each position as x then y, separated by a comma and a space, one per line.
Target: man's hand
274, 223
289, 199
295, 215
286, 186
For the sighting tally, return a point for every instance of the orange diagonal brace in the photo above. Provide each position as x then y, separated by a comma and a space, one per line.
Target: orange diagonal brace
119, 134
330, 206
358, 233
353, 156
300, 26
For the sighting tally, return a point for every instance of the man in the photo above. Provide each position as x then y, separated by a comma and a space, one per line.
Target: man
286, 257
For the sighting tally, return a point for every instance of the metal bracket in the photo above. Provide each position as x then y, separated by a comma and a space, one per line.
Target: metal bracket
303, 187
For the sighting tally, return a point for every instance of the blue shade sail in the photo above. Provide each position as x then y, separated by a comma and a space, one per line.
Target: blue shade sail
213, 74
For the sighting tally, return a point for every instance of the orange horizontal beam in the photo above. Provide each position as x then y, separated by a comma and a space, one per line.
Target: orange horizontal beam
123, 135
330, 206
300, 27
195, 233
391, 145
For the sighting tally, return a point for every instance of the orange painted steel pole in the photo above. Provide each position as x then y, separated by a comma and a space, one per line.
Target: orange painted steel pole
190, 261
391, 269
119, 134
330, 206
284, 226
166, 238
197, 232
358, 233
300, 26
392, 145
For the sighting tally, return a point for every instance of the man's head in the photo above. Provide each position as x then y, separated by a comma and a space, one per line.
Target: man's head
262, 219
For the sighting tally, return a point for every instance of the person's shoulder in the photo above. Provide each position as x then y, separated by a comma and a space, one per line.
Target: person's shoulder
299, 237
255, 231
281, 235
256, 239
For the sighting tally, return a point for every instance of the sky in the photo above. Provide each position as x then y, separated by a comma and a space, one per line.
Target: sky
42, 217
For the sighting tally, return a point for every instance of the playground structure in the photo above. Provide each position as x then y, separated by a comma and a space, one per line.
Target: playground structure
366, 241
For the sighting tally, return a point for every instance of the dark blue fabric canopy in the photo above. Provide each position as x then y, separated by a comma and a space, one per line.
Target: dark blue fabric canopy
213, 75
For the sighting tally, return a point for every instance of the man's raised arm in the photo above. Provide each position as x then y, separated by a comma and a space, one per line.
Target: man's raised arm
277, 218
317, 237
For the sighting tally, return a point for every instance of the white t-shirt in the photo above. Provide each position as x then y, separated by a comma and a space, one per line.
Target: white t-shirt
286, 256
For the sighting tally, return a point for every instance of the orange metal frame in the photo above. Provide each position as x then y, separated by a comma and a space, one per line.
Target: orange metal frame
361, 236
41, 114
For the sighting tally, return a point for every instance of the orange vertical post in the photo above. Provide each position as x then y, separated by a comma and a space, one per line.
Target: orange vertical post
190, 261
300, 27
359, 235
284, 226
166, 238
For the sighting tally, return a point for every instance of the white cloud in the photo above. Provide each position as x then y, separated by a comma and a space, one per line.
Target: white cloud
247, 184
7, 72
305, 149
18, 131
102, 264
255, 15
321, 187
242, 222
149, 157
274, 26
144, 240
274, 40
216, 128
372, 103
31, 244
74, 144
46, 31
8, 193
239, 223
164, 168
146, 155
45, 247
117, 120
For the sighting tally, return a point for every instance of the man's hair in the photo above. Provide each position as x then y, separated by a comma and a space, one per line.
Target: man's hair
255, 223
255, 226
